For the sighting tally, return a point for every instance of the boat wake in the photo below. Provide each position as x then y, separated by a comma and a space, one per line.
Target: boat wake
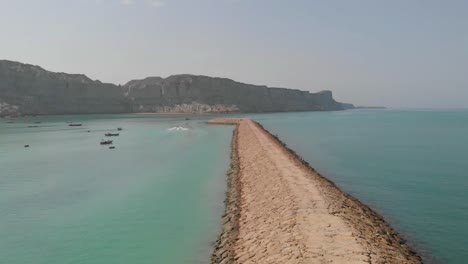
178, 128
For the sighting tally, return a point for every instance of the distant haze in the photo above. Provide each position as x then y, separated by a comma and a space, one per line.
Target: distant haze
396, 53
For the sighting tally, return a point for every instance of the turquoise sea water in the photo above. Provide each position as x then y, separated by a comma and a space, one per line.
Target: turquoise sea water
409, 165
156, 198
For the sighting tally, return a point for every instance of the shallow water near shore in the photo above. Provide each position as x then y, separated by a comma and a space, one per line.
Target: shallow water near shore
411, 166
156, 198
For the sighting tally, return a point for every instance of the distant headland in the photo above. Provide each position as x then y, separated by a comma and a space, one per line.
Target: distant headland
30, 90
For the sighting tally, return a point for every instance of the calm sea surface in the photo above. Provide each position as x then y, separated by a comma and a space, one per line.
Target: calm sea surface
156, 198
411, 166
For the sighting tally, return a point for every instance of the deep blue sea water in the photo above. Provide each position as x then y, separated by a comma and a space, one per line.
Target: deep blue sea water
156, 198
409, 165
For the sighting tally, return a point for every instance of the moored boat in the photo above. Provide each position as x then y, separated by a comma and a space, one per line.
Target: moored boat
106, 142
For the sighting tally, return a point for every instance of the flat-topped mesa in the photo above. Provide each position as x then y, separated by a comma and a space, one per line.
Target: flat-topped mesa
30, 90
150, 93
280, 210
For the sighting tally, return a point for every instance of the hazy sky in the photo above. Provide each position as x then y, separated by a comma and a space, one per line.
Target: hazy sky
398, 53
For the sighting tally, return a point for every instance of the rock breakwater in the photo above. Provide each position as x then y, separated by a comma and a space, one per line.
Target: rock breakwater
280, 210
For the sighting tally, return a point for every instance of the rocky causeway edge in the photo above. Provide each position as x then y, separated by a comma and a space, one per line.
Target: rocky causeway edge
280, 210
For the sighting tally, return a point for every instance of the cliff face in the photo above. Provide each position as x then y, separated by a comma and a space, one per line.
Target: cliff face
151, 93
33, 90
30, 90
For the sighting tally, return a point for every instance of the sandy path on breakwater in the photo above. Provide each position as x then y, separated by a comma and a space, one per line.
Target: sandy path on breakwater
278, 210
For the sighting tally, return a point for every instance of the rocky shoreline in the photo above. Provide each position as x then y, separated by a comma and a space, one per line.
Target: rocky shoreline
224, 248
280, 210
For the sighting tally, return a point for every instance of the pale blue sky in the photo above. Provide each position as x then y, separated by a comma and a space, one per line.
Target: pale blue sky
398, 53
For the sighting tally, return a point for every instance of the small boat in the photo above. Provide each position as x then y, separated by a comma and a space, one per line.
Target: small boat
32, 126
26, 146
106, 142
119, 129
37, 122
111, 147
187, 118
112, 134
75, 125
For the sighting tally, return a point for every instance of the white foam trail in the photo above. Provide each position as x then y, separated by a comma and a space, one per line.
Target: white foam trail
178, 128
